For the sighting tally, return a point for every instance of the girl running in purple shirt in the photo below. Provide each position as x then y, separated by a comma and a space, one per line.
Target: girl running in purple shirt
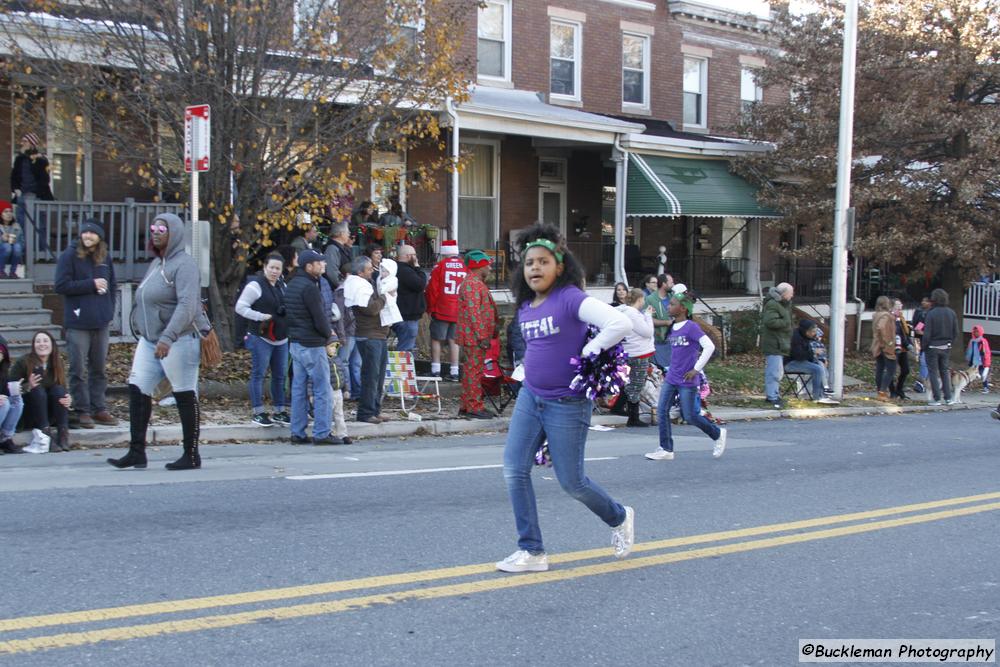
554, 313
690, 351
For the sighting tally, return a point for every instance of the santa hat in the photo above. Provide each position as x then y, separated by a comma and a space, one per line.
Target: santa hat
449, 248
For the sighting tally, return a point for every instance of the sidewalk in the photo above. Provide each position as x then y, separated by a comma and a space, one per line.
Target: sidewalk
99, 438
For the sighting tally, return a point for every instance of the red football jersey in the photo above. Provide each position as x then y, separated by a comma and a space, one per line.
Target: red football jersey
442, 289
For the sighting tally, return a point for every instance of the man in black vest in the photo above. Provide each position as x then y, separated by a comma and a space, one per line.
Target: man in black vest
308, 333
412, 302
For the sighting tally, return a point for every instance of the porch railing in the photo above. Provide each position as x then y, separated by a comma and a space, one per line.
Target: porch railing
710, 274
52, 226
809, 280
982, 301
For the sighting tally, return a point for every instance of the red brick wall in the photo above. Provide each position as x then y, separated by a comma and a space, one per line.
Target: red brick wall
518, 185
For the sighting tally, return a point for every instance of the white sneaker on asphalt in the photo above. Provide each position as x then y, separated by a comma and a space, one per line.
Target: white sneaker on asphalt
660, 455
522, 561
623, 536
826, 400
720, 445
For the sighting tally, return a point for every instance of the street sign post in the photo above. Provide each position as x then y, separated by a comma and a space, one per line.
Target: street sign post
197, 157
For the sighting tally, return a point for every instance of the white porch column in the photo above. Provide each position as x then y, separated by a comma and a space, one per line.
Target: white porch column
620, 158
753, 257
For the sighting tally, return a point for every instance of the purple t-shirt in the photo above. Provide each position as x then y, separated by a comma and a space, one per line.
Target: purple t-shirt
684, 352
553, 332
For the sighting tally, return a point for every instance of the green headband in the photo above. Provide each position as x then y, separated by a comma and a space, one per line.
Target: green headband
685, 301
548, 245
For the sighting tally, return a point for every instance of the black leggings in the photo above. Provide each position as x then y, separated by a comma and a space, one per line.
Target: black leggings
903, 357
42, 409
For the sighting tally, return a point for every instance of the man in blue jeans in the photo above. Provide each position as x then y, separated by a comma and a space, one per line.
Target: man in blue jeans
369, 338
308, 333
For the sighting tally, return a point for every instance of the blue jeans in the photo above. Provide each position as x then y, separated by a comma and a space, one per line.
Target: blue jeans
923, 365
564, 422
10, 413
690, 411
817, 370
310, 363
263, 355
354, 368
374, 357
661, 356
406, 335
11, 253
774, 368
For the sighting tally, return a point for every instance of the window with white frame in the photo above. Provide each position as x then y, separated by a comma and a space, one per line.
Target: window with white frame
635, 70
494, 45
695, 85
313, 15
564, 59
478, 195
68, 136
750, 90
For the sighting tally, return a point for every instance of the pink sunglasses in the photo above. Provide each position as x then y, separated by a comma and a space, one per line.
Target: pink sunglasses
158, 229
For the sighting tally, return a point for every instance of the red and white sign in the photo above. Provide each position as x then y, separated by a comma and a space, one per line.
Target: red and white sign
197, 138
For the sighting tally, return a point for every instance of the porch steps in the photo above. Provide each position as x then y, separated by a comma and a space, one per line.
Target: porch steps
21, 315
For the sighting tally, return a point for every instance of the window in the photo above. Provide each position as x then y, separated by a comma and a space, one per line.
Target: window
67, 146
695, 74
388, 179
494, 40
409, 16
750, 91
478, 200
315, 15
564, 59
635, 70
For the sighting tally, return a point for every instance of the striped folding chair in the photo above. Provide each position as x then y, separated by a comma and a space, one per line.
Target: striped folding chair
402, 382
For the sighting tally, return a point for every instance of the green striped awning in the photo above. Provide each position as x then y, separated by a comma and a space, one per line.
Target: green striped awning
668, 186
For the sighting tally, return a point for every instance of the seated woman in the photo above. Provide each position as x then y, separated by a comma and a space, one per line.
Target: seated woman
46, 401
11, 404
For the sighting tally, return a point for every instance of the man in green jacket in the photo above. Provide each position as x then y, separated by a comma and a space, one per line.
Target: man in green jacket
661, 319
776, 337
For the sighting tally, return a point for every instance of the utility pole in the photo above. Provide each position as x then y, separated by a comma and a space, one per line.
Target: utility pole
838, 295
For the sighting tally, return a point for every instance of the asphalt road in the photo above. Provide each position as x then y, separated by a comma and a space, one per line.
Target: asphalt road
381, 553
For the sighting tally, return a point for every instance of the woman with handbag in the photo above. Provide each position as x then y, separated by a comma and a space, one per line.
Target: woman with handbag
262, 303
171, 325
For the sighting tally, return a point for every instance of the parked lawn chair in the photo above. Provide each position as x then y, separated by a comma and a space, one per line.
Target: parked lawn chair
498, 387
402, 382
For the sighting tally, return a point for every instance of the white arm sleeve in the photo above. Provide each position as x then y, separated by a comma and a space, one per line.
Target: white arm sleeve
707, 348
613, 325
248, 297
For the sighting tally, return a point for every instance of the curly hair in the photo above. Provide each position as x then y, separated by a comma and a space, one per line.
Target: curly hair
572, 270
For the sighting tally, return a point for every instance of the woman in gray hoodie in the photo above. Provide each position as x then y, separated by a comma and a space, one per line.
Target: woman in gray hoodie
169, 321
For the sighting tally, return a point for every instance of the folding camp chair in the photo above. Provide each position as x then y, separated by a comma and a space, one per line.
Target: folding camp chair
498, 387
799, 383
402, 382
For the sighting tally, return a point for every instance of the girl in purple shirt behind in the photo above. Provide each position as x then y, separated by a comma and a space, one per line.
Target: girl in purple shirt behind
554, 313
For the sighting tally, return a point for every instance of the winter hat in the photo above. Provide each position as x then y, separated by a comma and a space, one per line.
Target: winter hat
4, 205
449, 248
93, 226
805, 325
476, 259
307, 257
31, 138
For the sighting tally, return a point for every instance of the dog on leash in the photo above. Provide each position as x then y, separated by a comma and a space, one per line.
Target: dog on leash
960, 379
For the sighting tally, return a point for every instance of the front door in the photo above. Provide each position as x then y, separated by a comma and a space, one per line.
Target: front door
552, 205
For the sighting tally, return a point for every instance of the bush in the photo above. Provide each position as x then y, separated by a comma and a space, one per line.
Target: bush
744, 329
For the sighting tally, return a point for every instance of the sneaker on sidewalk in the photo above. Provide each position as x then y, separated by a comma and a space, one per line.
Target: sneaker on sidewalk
951, 401
262, 419
328, 440
623, 536
720, 445
522, 561
826, 400
281, 418
299, 440
934, 404
660, 455
452, 378
918, 387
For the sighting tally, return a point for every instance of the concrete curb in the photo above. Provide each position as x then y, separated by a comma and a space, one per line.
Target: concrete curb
99, 438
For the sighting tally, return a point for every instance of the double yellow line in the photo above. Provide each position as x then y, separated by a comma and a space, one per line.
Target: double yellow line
857, 523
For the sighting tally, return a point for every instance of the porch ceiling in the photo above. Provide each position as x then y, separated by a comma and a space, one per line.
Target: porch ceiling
666, 186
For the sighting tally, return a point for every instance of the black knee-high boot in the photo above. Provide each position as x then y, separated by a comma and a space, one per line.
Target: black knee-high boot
633, 415
187, 406
140, 409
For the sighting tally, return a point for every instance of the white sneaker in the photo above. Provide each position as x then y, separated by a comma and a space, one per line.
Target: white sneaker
951, 401
720, 445
522, 561
660, 455
934, 404
826, 400
623, 536
39, 442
